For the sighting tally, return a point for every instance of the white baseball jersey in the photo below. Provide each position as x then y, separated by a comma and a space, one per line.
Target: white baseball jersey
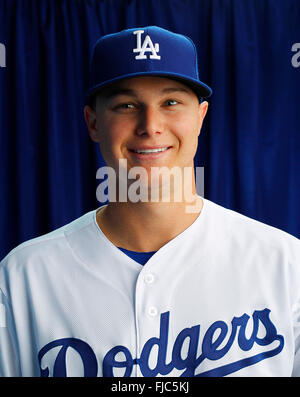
220, 299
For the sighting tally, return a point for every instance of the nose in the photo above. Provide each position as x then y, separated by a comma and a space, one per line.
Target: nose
150, 122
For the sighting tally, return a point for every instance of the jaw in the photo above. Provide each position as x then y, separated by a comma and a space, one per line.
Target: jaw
153, 183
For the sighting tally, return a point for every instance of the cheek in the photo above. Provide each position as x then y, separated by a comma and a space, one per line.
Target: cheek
187, 131
112, 139
117, 132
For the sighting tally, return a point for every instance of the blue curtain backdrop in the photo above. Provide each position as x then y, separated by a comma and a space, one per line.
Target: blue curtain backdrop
250, 142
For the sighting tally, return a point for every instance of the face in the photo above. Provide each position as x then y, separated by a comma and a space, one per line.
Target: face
149, 121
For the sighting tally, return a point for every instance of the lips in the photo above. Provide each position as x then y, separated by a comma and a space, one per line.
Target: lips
150, 150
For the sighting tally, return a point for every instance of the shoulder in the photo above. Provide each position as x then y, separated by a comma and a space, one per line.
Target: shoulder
248, 232
46, 246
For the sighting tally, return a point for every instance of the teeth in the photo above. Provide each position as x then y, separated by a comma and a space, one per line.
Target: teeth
151, 150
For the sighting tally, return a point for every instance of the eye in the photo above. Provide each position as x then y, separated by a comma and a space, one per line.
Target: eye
125, 106
171, 102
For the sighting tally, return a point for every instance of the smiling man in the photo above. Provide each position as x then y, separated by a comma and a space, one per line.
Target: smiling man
146, 287
152, 123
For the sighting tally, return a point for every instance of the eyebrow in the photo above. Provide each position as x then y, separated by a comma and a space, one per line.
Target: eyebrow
119, 91
127, 91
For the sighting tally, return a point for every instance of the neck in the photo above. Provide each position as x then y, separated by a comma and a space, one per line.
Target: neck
147, 226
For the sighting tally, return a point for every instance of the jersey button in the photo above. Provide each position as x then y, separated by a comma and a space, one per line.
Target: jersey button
152, 311
149, 278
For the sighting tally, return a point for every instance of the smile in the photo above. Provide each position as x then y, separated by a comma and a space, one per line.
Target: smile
150, 151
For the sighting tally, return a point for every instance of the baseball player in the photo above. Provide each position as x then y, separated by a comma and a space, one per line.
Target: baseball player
147, 288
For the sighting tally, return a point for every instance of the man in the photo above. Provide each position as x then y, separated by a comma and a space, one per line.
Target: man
169, 284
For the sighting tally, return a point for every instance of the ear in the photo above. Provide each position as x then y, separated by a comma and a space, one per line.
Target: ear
91, 122
202, 112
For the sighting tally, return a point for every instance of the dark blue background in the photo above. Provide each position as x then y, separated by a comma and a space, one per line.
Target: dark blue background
250, 142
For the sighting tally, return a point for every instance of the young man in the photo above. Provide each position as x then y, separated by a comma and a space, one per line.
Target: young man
169, 284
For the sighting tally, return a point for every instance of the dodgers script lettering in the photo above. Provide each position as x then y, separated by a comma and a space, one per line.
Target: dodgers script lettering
215, 336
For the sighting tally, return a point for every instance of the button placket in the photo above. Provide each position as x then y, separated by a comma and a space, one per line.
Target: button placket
148, 309
149, 278
152, 311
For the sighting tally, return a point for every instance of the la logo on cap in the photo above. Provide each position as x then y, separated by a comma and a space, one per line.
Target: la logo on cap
147, 46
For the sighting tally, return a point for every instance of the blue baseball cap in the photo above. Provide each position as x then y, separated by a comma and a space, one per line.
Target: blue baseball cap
147, 51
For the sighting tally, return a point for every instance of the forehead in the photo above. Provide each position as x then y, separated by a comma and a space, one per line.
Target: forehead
148, 84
